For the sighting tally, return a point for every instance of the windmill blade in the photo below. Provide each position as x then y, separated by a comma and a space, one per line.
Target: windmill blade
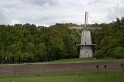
92, 28
86, 19
75, 28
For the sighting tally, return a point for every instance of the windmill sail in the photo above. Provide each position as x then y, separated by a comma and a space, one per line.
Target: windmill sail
86, 46
86, 50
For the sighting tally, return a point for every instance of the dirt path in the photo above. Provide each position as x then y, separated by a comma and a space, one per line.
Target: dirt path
59, 67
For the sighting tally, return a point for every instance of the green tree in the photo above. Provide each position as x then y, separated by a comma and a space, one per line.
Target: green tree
118, 52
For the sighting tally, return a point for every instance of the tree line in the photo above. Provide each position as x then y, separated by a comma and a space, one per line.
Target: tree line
30, 43
110, 40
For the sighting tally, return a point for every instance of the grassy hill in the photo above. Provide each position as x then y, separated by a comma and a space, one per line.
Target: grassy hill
115, 75
70, 61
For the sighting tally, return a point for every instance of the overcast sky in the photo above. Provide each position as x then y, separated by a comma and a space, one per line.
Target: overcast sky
50, 12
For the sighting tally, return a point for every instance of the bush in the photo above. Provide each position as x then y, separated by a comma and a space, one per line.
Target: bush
118, 52
99, 54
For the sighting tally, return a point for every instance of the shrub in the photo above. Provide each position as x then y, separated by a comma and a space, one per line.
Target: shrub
99, 54
118, 52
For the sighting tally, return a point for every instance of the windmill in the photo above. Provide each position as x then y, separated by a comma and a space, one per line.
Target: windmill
86, 46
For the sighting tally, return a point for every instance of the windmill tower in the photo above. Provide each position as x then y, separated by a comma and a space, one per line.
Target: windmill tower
86, 46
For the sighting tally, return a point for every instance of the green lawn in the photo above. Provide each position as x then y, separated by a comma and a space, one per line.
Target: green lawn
69, 61
77, 60
67, 76
117, 77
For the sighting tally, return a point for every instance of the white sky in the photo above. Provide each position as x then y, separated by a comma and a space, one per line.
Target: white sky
49, 12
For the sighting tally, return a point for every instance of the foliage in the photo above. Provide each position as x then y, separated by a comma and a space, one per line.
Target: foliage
30, 43
110, 40
99, 54
118, 52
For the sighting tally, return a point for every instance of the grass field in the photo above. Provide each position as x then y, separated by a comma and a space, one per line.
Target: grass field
116, 75
69, 61
77, 60
70, 77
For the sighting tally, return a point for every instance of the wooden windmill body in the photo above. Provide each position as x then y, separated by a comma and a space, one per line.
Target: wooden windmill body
86, 46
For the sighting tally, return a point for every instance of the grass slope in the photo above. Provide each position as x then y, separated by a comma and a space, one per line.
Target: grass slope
68, 76
69, 61
77, 60
118, 77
